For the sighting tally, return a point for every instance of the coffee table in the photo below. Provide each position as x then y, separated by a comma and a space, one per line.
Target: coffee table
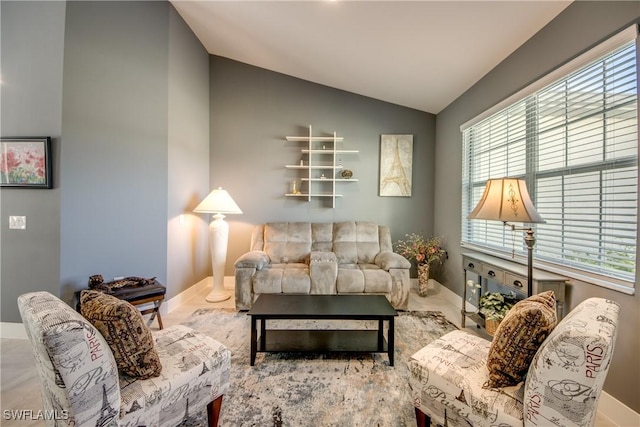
321, 307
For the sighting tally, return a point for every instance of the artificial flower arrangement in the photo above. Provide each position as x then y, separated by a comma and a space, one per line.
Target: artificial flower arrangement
421, 250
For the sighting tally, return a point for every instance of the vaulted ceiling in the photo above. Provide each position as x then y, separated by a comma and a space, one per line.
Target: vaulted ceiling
419, 54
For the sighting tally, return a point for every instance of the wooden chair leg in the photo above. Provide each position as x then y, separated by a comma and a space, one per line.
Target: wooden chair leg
213, 412
422, 420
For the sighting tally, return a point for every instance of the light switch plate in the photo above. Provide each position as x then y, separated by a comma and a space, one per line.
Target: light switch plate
17, 222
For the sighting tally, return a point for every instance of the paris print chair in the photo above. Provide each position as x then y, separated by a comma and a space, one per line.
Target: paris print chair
81, 384
561, 388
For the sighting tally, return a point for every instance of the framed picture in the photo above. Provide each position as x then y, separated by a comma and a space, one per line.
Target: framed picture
25, 162
396, 165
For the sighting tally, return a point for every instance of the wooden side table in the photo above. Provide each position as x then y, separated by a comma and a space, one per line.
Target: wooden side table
152, 293
512, 276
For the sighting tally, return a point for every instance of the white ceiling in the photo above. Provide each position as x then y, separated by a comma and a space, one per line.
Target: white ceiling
419, 54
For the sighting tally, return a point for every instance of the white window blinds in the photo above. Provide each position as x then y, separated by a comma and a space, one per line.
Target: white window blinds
575, 141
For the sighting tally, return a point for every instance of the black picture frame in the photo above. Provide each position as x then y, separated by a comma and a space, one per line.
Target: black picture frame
25, 162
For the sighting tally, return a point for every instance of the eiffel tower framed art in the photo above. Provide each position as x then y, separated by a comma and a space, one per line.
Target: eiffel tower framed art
396, 165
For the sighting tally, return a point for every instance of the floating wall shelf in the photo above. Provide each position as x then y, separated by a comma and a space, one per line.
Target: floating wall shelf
321, 155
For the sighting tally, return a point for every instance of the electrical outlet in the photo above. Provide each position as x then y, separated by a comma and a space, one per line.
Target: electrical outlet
17, 222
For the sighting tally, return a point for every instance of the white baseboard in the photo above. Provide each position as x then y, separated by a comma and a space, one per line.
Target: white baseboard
172, 303
608, 406
12, 331
617, 412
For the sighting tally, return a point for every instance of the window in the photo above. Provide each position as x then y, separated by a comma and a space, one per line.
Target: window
574, 139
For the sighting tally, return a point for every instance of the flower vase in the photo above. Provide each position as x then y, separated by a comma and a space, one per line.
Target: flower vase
423, 279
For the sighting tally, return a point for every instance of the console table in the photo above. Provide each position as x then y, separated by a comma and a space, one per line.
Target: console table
510, 275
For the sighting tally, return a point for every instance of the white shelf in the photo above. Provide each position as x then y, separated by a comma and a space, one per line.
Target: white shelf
313, 195
313, 167
325, 151
329, 179
314, 138
327, 147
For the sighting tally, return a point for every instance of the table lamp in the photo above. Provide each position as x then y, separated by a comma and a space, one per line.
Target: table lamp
507, 200
218, 202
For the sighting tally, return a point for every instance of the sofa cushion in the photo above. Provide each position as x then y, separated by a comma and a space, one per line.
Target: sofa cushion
123, 327
287, 241
321, 236
350, 280
518, 338
355, 242
376, 280
446, 378
295, 279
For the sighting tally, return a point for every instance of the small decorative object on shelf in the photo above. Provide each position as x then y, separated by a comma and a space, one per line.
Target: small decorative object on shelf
346, 174
494, 307
425, 253
294, 187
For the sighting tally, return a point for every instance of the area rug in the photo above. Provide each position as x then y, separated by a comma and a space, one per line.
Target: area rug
318, 389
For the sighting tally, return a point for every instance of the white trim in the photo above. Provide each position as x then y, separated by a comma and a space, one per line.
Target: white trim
618, 285
624, 36
12, 331
196, 290
187, 294
617, 412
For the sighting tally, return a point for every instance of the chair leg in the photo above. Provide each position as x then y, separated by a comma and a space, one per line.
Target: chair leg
213, 411
422, 419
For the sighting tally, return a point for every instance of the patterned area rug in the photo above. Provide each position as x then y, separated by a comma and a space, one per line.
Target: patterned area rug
299, 389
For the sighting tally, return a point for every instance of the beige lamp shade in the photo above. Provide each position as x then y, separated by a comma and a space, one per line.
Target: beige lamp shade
219, 202
506, 200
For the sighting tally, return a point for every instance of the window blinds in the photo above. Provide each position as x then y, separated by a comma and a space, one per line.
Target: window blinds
575, 141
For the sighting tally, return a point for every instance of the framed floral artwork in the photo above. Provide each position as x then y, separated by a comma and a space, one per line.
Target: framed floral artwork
25, 162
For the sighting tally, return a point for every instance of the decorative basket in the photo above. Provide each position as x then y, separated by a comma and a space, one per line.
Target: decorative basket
491, 325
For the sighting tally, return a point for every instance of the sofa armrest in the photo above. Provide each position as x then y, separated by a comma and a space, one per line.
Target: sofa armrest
323, 272
389, 260
253, 259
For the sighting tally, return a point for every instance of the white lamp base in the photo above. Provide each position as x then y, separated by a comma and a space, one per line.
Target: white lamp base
218, 239
217, 296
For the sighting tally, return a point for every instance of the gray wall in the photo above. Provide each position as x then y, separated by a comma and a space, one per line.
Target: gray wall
252, 110
32, 36
135, 131
580, 26
131, 145
188, 157
114, 122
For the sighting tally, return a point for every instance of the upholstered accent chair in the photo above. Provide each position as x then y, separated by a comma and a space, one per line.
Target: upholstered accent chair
322, 258
81, 384
565, 378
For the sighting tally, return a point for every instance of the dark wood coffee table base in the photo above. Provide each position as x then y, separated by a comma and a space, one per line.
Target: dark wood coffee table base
322, 307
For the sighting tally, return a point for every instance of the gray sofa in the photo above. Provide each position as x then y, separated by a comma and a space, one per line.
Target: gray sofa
322, 258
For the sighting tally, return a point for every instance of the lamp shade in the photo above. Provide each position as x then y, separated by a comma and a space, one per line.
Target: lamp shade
506, 200
219, 202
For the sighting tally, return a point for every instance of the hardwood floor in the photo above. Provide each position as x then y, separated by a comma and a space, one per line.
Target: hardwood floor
20, 386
